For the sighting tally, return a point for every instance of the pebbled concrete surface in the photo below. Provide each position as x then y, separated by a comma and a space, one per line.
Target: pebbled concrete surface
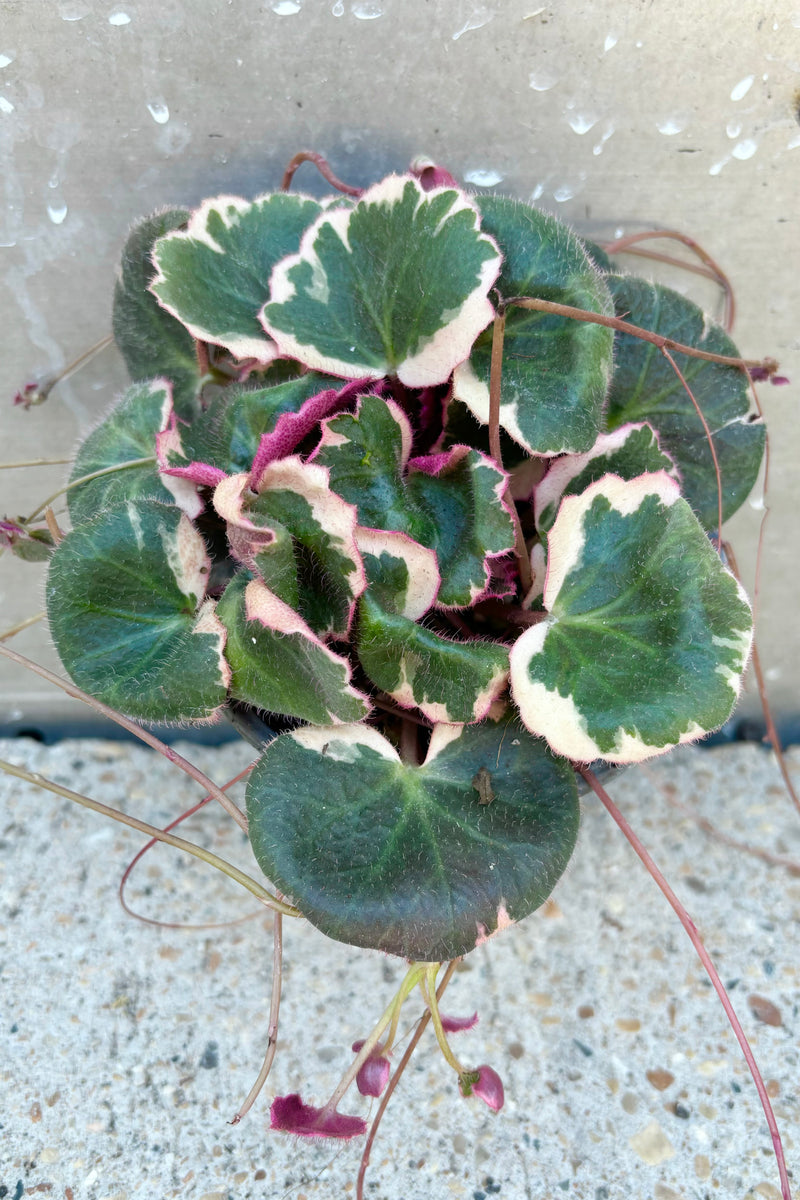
125, 1049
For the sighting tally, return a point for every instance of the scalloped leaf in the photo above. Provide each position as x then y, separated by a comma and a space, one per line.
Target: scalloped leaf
124, 600
228, 434
294, 496
395, 285
555, 370
647, 635
628, 452
645, 388
278, 662
150, 339
422, 862
451, 503
127, 433
448, 681
403, 576
214, 275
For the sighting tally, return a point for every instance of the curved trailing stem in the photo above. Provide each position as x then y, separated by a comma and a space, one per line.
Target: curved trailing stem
768, 365
495, 383
35, 462
206, 856
18, 628
395, 1079
321, 163
705, 958
274, 1011
126, 874
709, 439
134, 462
630, 244
37, 393
772, 732
143, 734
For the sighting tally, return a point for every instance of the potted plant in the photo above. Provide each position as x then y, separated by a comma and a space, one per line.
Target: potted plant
419, 480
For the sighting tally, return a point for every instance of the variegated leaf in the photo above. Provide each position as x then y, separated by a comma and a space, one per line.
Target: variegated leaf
214, 275
555, 370
424, 862
395, 285
125, 603
647, 634
278, 662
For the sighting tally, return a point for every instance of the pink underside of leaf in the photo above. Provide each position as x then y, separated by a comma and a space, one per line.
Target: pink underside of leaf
504, 921
489, 1088
291, 1115
291, 428
245, 538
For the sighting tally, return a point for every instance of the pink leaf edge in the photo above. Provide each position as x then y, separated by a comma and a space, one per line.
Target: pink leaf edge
290, 1114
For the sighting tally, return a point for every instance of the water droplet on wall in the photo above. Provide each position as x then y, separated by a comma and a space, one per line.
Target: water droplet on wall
481, 17
716, 167
565, 192
745, 149
610, 42
582, 122
6, 60
670, 127
159, 112
483, 178
57, 213
285, 8
542, 81
366, 12
733, 129
119, 18
742, 88
5, 105
338, 8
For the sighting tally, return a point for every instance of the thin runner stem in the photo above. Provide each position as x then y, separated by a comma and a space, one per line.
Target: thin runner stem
206, 856
582, 314
274, 1011
495, 387
18, 628
322, 165
705, 958
709, 439
134, 462
144, 735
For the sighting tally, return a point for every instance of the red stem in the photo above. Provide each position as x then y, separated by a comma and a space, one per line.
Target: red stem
709, 439
691, 929
321, 163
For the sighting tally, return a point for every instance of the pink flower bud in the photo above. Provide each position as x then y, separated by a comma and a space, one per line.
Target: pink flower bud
373, 1075
290, 1114
485, 1083
431, 176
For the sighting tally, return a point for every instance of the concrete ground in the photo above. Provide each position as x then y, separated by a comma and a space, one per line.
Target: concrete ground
126, 1048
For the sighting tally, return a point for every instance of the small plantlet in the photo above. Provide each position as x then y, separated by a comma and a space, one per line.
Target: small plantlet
415, 484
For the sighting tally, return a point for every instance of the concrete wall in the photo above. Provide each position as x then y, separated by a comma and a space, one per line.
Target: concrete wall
615, 116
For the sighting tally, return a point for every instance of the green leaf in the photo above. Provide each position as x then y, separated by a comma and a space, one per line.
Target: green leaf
647, 634
395, 285
214, 275
645, 388
451, 503
150, 340
629, 451
293, 496
128, 433
124, 600
447, 680
403, 576
228, 433
555, 370
279, 664
412, 860
461, 491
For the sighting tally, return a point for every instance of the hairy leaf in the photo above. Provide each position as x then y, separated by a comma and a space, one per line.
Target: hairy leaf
647, 634
645, 388
555, 370
416, 861
124, 600
395, 285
